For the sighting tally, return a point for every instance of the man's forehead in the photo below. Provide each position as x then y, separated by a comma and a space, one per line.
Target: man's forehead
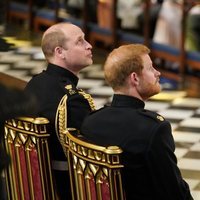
62, 26
72, 31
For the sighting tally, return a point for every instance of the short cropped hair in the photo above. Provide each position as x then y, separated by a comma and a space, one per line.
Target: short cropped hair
51, 40
121, 62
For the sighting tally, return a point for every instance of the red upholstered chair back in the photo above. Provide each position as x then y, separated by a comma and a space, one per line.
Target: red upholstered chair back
29, 173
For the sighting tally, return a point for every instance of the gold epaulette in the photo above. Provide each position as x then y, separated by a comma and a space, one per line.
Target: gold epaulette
70, 90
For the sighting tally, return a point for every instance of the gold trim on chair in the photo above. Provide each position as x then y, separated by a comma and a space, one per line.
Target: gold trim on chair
29, 173
94, 170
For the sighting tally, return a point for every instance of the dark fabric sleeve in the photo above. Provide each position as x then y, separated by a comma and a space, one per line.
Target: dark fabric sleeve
162, 164
14, 102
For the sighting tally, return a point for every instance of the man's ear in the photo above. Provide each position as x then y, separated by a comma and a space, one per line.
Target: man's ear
134, 79
58, 52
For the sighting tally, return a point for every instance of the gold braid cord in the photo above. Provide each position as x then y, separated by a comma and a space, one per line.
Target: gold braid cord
61, 117
88, 98
61, 122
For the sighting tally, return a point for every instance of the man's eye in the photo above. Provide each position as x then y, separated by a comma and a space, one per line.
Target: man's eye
151, 68
80, 41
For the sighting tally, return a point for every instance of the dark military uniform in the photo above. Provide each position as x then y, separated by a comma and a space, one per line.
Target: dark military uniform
151, 171
49, 87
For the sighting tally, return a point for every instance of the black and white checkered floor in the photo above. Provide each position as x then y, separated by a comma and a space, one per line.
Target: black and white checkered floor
183, 112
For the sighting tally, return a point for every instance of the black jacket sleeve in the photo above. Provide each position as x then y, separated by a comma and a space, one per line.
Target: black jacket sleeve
162, 164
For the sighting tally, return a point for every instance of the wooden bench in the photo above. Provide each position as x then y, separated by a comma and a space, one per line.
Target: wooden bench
20, 11
46, 16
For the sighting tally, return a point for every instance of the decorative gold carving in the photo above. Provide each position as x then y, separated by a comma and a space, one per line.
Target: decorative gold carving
91, 165
26, 143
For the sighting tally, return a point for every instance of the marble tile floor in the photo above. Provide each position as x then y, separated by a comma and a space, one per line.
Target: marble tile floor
182, 111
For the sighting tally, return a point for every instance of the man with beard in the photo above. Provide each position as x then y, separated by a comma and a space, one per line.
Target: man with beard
150, 165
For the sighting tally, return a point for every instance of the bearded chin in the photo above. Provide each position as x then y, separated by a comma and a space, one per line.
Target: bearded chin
157, 88
150, 90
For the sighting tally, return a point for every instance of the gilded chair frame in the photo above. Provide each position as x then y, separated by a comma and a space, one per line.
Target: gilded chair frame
93, 169
28, 175
93, 164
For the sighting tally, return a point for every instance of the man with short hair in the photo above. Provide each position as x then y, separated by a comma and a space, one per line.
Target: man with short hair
150, 166
67, 52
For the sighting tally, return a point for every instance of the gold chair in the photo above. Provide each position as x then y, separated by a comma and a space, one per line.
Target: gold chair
94, 170
29, 174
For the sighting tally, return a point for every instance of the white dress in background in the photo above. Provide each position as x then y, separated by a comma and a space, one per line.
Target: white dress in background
168, 26
128, 11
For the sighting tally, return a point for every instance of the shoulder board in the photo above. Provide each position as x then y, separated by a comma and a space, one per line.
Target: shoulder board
152, 115
35, 75
70, 89
38, 74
